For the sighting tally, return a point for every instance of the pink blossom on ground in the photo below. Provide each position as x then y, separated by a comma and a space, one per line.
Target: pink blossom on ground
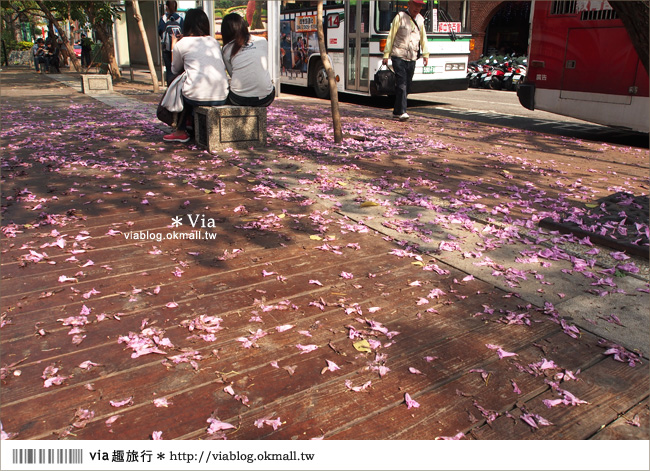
162, 402
348, 384
276, 423
283, 328
111, 420
216, 425
410, 403
500, 351
306, 348
123, 402
458, 436
87, 365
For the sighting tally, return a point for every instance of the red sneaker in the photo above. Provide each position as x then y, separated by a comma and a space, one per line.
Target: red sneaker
178, 136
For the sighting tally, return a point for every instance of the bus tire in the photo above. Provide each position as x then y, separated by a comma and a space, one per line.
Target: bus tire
321, 83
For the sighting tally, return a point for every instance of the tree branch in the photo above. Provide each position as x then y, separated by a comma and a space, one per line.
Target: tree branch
634, 15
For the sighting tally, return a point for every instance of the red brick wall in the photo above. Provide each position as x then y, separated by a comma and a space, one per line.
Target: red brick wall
480, 14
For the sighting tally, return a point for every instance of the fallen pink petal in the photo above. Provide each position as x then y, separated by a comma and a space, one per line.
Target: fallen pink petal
162, 402
87, 365
306, 348
216, 425
331, 366
410, 403
111, 420
123, 402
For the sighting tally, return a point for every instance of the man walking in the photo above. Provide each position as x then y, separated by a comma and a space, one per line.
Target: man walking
405, 39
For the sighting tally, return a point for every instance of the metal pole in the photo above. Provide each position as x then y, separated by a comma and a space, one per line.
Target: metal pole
160, 8
208, 7
273, 27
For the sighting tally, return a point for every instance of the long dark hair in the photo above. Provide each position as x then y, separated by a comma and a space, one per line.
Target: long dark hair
196, 23
234, 28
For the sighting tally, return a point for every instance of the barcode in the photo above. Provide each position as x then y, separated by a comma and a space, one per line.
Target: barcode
47, 456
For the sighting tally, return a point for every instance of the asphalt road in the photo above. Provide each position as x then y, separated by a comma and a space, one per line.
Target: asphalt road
497, 108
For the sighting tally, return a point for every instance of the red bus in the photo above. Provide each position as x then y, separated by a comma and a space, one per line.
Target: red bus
581, 63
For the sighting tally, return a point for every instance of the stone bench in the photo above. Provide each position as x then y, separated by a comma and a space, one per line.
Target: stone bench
96, 83
221, 127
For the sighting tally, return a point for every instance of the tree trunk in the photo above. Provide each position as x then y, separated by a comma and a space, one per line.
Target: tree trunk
334, 94
108, 54
147, 49
15, 27
62, 35
634, 15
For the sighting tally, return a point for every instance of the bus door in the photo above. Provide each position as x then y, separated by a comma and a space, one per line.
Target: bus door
588, 65
357, 66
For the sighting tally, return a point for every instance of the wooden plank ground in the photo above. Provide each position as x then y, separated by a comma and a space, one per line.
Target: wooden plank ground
292, 270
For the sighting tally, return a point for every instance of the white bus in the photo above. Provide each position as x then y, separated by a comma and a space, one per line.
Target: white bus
355, 36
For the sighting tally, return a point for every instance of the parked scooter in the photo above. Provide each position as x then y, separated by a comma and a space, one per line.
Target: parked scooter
519, 73
474, 71
497, 72
498, 75
507, 66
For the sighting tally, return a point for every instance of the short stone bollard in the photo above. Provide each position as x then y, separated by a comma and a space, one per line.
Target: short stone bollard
94, 83
221, 127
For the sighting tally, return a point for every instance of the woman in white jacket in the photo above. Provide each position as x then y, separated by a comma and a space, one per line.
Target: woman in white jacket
199, 55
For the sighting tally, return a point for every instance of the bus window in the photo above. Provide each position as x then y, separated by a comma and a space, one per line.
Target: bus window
434, 13
385, 13
563, 8
451, 11
293, 5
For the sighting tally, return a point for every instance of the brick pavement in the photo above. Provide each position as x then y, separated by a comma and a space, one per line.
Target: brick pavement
313, 252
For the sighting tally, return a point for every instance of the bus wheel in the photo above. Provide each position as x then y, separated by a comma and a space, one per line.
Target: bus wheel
321, 84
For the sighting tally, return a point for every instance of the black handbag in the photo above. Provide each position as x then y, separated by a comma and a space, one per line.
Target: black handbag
385, 81
166, 116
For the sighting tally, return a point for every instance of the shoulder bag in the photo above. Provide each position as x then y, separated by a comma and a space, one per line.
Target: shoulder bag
385, 81
171, 103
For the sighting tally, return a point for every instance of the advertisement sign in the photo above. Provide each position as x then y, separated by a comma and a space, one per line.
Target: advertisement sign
447, 27
306, 23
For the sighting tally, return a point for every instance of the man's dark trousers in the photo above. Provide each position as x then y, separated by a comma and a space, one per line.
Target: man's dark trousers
404, 71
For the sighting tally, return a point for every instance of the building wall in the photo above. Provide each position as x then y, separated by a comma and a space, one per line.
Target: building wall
121, 41
480, 15
150, 17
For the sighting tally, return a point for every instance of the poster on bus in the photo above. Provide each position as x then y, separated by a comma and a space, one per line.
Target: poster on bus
298, 41
286, 60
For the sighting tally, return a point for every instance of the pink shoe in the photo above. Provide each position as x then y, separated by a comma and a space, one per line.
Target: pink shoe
178, 136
